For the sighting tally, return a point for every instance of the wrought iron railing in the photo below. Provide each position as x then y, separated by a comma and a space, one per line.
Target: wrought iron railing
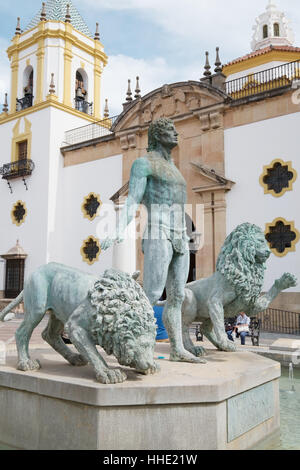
83, 106
25, 102
280, 321
17, 169
275, 78
89, 132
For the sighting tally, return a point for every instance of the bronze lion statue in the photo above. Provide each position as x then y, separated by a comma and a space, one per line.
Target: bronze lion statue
112, 312
235, 287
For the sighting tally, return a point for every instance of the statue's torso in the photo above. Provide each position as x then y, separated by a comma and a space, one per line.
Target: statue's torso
165, 185
165, 198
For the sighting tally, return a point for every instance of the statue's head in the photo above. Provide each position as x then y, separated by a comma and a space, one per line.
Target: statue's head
124, 322
162, 132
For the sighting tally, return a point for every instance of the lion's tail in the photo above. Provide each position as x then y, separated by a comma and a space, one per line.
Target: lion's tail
12, 305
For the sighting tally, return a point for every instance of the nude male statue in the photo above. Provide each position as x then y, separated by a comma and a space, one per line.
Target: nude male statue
156, 183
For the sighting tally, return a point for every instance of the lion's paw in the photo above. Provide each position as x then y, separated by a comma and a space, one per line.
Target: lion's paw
286, 281
77, 360
227, 346
152, 370
198, 351
111, 376
29, 364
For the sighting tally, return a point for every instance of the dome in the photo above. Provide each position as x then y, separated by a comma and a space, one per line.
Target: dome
56, 10
17, 252
272, 28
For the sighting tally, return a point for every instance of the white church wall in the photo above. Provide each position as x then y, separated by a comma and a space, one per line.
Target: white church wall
54, 63
259, 68
103, 177
66, 191
32, 234
247, 150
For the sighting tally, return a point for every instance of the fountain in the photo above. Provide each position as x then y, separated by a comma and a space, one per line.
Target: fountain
291, 378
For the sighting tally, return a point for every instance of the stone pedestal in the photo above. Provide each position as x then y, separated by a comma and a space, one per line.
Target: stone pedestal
229, 403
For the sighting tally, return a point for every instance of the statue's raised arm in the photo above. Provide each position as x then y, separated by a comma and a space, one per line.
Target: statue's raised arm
138, 181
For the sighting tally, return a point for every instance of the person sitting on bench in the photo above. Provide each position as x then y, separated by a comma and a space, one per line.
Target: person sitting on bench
242, 326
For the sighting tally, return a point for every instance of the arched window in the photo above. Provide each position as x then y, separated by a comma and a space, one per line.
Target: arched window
81, 84
81, 92
265, 31
28, 81
27, 100
276, 29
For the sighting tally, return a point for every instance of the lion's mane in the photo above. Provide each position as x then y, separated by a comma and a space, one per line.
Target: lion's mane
238, 264
122, 311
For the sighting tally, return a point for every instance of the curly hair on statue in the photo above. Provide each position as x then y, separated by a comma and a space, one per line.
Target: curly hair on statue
122, 310
155, 129
237, 262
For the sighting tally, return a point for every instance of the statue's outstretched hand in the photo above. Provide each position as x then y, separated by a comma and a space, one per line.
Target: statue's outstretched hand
286, 281
109, 241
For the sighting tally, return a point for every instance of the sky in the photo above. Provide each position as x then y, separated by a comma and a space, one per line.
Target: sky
162, 41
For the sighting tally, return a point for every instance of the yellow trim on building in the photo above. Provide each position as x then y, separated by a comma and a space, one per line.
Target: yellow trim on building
68, 34
13, 218
272, 56
265, 173
21, 137
84, 256
293, 243
68, 56
40, 66
50, 101
14, 75
97, 87
85, 201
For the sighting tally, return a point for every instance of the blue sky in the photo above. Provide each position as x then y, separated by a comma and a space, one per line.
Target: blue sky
163, 41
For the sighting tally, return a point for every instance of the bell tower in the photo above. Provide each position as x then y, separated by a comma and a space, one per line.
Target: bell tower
272, 28
56, 69
57, 41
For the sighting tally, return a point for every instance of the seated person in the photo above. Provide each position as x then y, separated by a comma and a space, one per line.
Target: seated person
230, 329
243, 322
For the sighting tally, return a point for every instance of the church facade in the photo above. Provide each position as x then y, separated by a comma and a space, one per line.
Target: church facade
237, 149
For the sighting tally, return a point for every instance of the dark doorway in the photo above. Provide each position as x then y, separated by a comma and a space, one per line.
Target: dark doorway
14, 281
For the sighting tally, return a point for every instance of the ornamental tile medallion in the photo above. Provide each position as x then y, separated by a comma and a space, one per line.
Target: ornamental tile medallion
91, 206
90, 250
282, 236
278, 178
19, 213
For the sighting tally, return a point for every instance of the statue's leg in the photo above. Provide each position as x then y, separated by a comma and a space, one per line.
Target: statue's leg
35, 306
52, 335
157, 255
85, 345
188, 343
176, 281
23, 335
208, 330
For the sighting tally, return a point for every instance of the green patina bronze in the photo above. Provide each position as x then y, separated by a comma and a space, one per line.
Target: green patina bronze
156, 183
112, 312
235, 287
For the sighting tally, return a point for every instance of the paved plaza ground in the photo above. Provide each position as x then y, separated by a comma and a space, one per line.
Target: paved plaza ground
8, 329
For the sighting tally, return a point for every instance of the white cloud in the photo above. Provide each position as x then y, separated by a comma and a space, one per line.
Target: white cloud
153, 74
227, 24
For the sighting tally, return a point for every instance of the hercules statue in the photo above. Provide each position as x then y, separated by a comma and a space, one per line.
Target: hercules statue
156, 183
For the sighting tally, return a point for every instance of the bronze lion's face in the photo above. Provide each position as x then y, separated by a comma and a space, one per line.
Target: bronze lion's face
138, 353
262, 250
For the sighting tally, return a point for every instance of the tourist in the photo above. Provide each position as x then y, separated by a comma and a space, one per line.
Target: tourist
242, 326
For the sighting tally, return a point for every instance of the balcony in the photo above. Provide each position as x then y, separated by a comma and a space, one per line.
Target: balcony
25, 102
93, 131
265, 82
18, 169
83, 106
